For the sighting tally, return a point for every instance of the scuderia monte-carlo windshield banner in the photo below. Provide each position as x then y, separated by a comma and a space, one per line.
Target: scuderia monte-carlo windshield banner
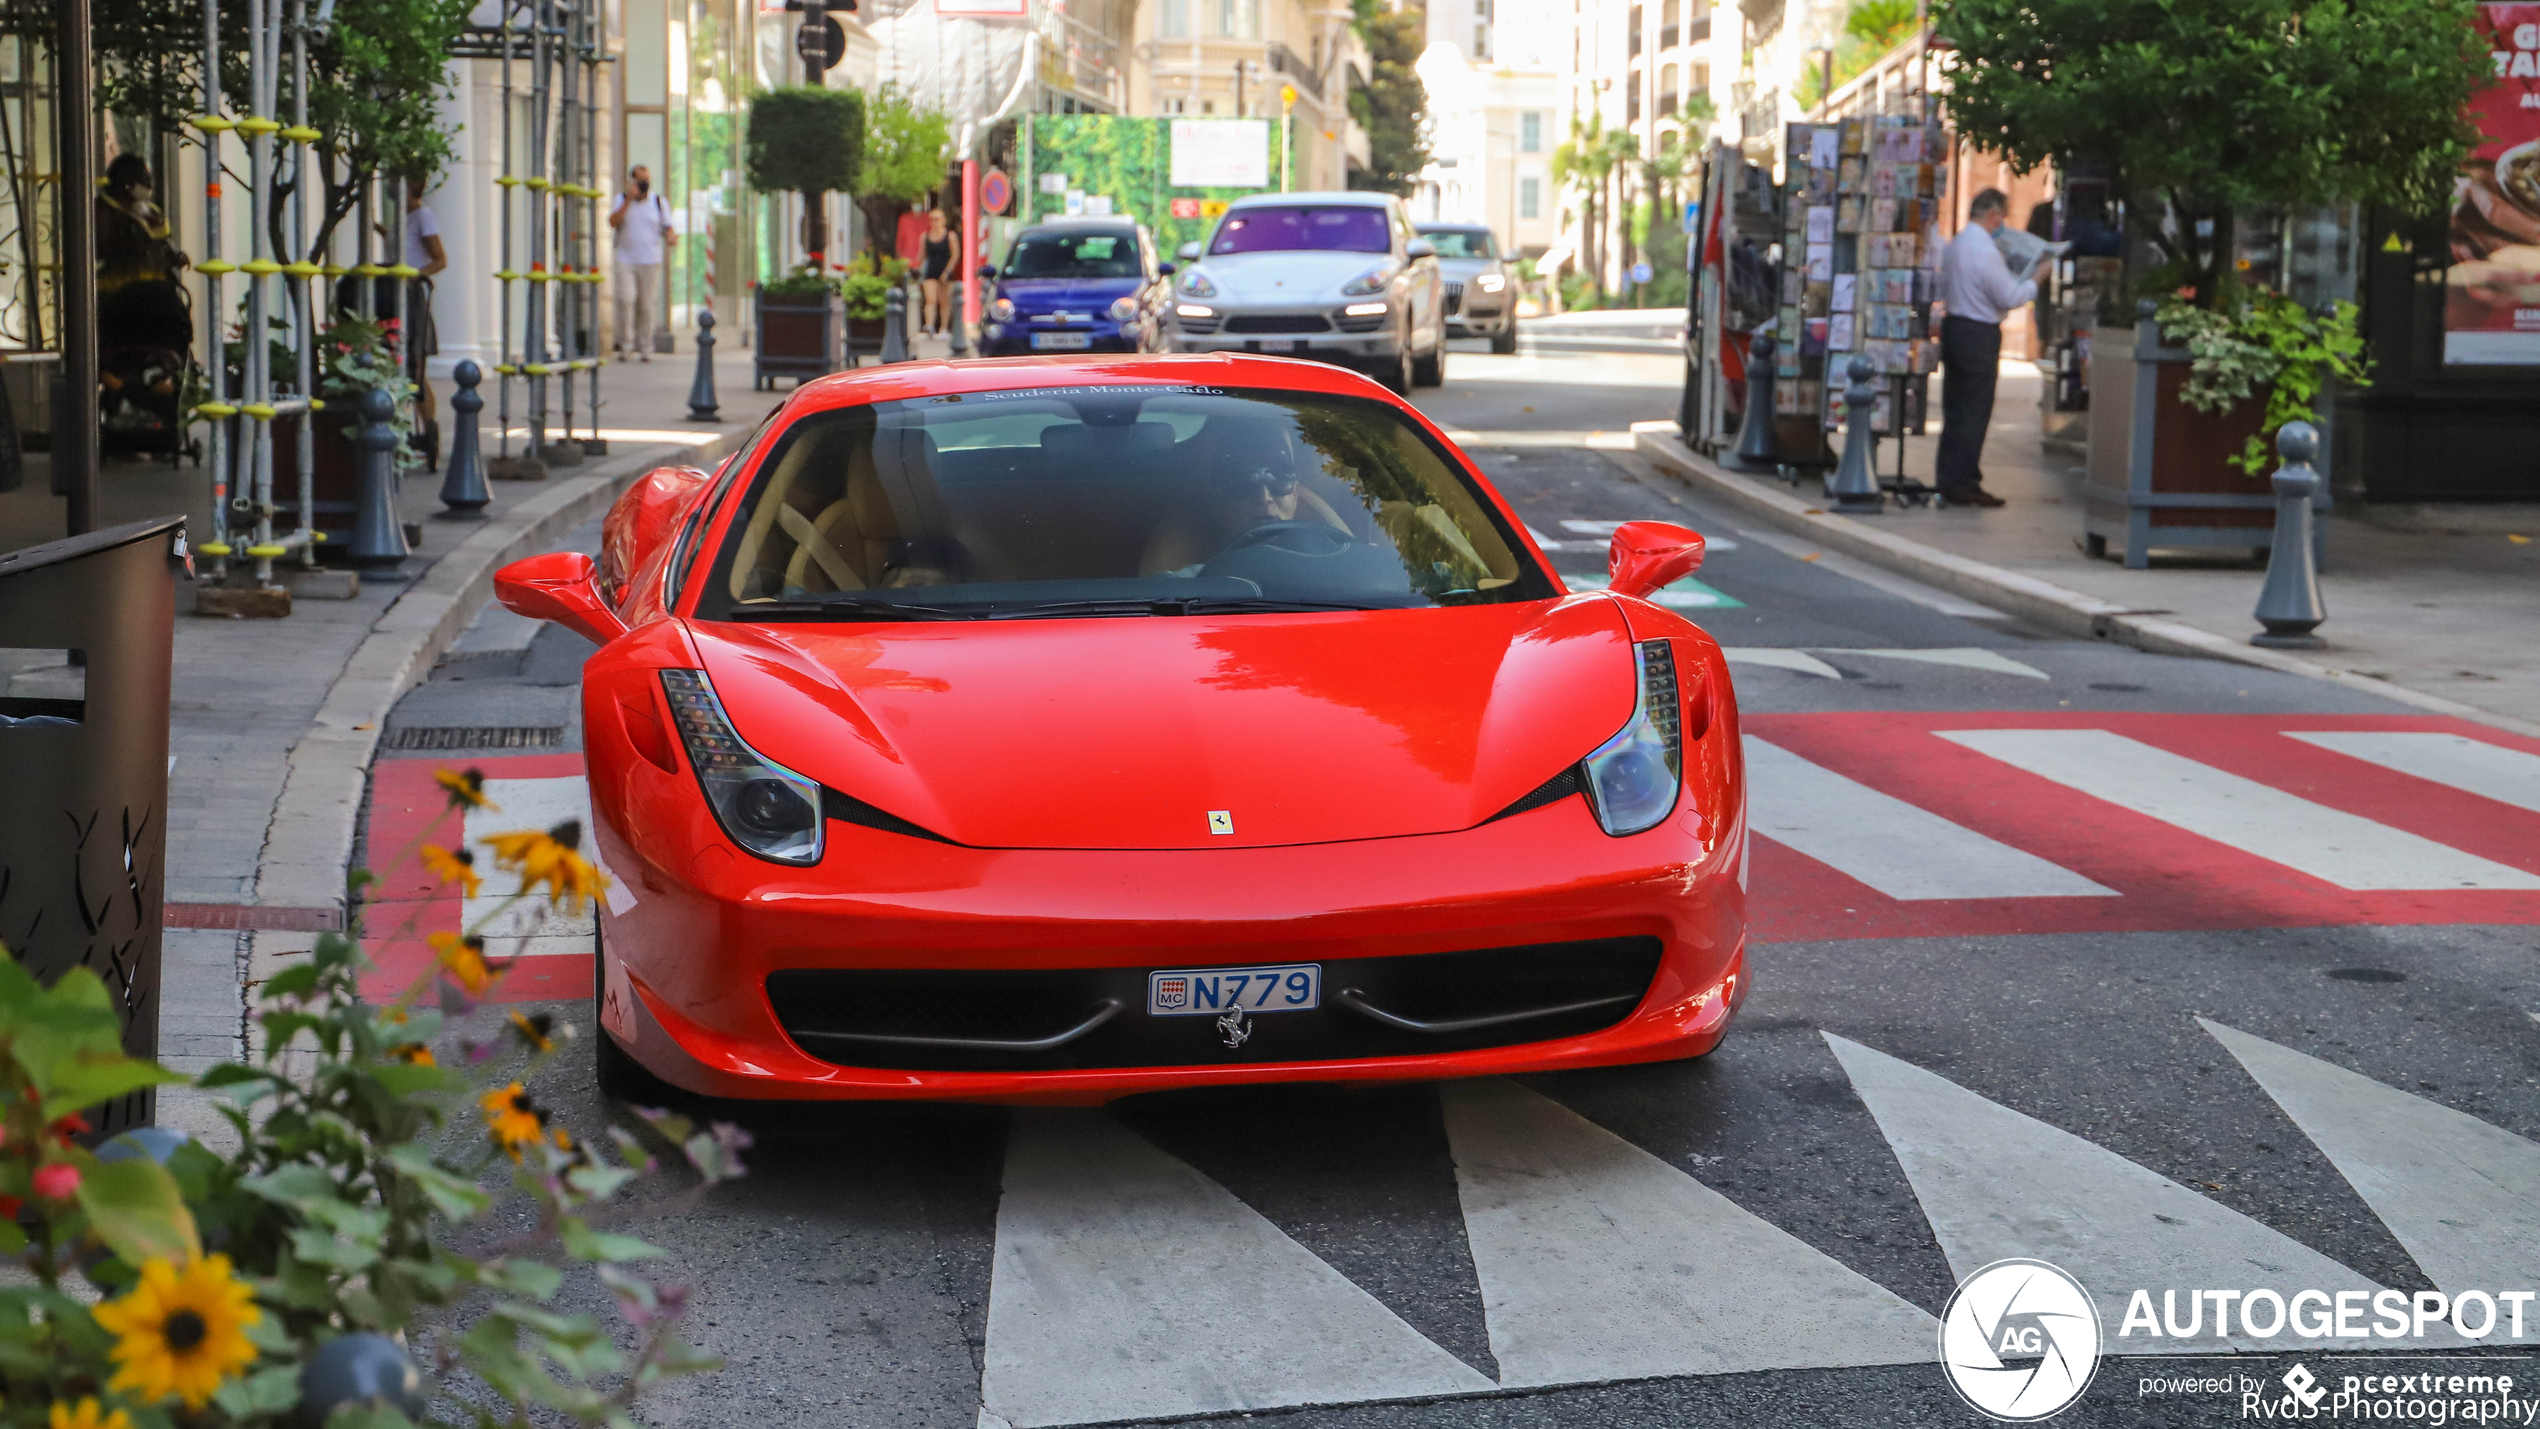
2492, 314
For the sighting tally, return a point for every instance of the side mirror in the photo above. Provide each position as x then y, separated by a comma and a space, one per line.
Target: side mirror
1164, 270
1648, 556
562, 586
988, 271
1420, 248
1188, 252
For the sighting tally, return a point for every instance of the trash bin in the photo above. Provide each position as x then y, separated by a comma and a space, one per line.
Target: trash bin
84, 782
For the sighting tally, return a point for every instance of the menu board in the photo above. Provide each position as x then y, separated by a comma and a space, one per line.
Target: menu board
1864, 196
2491, 312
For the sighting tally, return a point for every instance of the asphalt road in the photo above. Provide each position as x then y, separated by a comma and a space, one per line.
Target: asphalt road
2046, 965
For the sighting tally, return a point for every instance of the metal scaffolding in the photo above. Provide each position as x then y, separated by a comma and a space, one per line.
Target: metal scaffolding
550, 52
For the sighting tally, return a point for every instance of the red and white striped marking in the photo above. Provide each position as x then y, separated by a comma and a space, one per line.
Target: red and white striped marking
1870, 825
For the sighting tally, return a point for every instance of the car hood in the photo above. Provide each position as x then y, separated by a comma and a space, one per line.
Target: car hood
1128, 733
1043, 295
1273, 279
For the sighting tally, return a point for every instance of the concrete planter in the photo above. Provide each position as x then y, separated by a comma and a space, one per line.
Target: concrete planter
2159, 474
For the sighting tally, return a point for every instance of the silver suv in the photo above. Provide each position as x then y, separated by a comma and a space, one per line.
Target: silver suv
1337, 276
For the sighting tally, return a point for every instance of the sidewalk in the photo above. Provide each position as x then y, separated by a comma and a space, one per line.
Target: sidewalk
274, 723
2438, 606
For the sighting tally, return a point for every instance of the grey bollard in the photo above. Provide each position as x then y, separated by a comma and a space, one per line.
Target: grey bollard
463, 488
2289, 604
959, 318
1756, 448
895, 325
1854, 487
379, 537
702, 405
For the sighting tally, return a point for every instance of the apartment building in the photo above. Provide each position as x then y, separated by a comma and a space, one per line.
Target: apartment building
1234, 59
1492, 69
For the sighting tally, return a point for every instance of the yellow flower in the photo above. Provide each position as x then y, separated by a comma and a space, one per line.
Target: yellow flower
448, 867
87, 1415
550, 858
467, 790
464, 960
180, 1332
539, 1031
414, 1053
512, 1119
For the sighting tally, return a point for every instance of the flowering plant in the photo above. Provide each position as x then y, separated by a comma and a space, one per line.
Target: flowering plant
281, 1283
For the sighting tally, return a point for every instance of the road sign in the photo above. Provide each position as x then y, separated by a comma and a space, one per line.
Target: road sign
995, 191
1640, 273
1212, 208
1185, 208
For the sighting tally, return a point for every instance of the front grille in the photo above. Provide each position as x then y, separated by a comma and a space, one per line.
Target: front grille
1454, 298
1362, 324
1278, 322
1199, 327
832, 1012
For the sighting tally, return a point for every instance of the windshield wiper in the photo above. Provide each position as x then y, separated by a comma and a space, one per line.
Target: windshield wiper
1168, 605
854, 607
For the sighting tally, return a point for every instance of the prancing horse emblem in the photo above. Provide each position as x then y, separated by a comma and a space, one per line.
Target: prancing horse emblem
1233, 1028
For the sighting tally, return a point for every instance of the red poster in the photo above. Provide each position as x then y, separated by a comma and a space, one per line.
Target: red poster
2493, 312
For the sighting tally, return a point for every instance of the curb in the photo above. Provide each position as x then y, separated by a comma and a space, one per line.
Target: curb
2067, 611
309, 843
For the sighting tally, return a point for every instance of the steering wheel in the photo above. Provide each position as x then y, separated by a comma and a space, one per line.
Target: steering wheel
1298, 538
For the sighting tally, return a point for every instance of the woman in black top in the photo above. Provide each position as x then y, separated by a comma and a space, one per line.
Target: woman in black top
933, 284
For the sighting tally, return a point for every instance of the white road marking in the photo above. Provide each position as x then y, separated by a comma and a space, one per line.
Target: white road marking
1702, 599
1780, 659
531, 928
1903, 587
1965, 657
1902, 851
2473, 766
2328, 844
1129, 1286
1995, 1183
2457, 1192
1598, 1261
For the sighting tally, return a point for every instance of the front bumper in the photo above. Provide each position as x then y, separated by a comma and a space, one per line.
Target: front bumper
1352, 349
686, 985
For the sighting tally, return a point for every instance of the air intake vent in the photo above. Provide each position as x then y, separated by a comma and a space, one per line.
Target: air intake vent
1551, 791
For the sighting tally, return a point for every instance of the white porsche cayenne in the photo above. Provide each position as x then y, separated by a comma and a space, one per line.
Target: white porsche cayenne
1336, 276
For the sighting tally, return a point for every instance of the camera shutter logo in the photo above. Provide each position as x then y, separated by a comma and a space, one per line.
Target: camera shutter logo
2019, 1340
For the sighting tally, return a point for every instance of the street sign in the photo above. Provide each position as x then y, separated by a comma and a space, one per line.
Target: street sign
1075, 203
1053, 183
1640, 273
1098, 205
1212, 208
1185, 208
830, 38
1693, 217
995, 190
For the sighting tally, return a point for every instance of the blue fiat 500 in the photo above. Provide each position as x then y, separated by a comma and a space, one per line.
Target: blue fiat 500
1075, 285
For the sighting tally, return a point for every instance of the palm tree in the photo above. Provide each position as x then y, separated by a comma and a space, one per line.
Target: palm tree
1581, 164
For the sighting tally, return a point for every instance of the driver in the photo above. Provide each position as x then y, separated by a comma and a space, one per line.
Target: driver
1252, 482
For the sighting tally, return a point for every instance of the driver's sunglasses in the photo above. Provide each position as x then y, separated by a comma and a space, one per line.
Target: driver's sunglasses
1276, 486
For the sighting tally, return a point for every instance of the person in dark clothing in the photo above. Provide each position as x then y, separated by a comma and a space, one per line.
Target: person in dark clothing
934, 282
138, 302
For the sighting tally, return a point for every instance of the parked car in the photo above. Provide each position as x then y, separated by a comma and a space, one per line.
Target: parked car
1057, 730
1481, 292
1336, 276
1074, 285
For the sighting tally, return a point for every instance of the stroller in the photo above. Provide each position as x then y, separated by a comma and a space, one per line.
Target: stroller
146, 372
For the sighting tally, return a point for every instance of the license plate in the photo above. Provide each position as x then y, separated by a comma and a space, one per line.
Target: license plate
1211, 992
1061, 341
1282, 345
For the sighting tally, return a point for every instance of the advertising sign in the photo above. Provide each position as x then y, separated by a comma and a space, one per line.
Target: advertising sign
2492, 309
1219, 153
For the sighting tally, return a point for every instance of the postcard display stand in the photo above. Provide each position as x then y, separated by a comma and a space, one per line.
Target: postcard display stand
1862, 269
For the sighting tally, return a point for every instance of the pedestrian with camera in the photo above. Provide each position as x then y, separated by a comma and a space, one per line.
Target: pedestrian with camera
641, 219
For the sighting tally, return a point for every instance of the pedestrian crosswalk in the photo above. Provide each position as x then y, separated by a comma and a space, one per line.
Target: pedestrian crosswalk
1883, 825
1128, 1285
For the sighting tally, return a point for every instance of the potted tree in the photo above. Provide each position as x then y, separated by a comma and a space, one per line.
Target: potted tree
807, 141
906, 147
2205, 113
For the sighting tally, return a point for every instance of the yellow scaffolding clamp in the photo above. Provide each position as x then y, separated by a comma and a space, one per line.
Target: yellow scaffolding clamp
212, 124
405, 270
215, 266
259, 124
302, 134
215, 410
214, 548
260, 266
262, 412
302, 269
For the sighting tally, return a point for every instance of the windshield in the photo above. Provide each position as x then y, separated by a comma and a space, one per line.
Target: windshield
1459, 242
1114, 500
1045, 254
1351, 228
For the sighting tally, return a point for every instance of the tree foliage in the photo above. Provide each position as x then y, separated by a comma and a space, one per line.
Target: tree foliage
907, 147
1871, 29
2204, 107
805, 140
376, 77
1394, 106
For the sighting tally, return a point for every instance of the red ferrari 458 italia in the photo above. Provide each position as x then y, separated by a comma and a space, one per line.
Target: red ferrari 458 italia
1046, 730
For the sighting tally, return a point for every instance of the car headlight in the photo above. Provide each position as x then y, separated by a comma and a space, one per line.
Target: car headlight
1124, 310
1002, 310
1633, 778
767, 809
1197, 285
1371, 281
1193, 310
1490, 282
1363, 310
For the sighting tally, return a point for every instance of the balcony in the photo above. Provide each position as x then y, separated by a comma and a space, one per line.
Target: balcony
1666, 105
1699, 31
1666, 37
